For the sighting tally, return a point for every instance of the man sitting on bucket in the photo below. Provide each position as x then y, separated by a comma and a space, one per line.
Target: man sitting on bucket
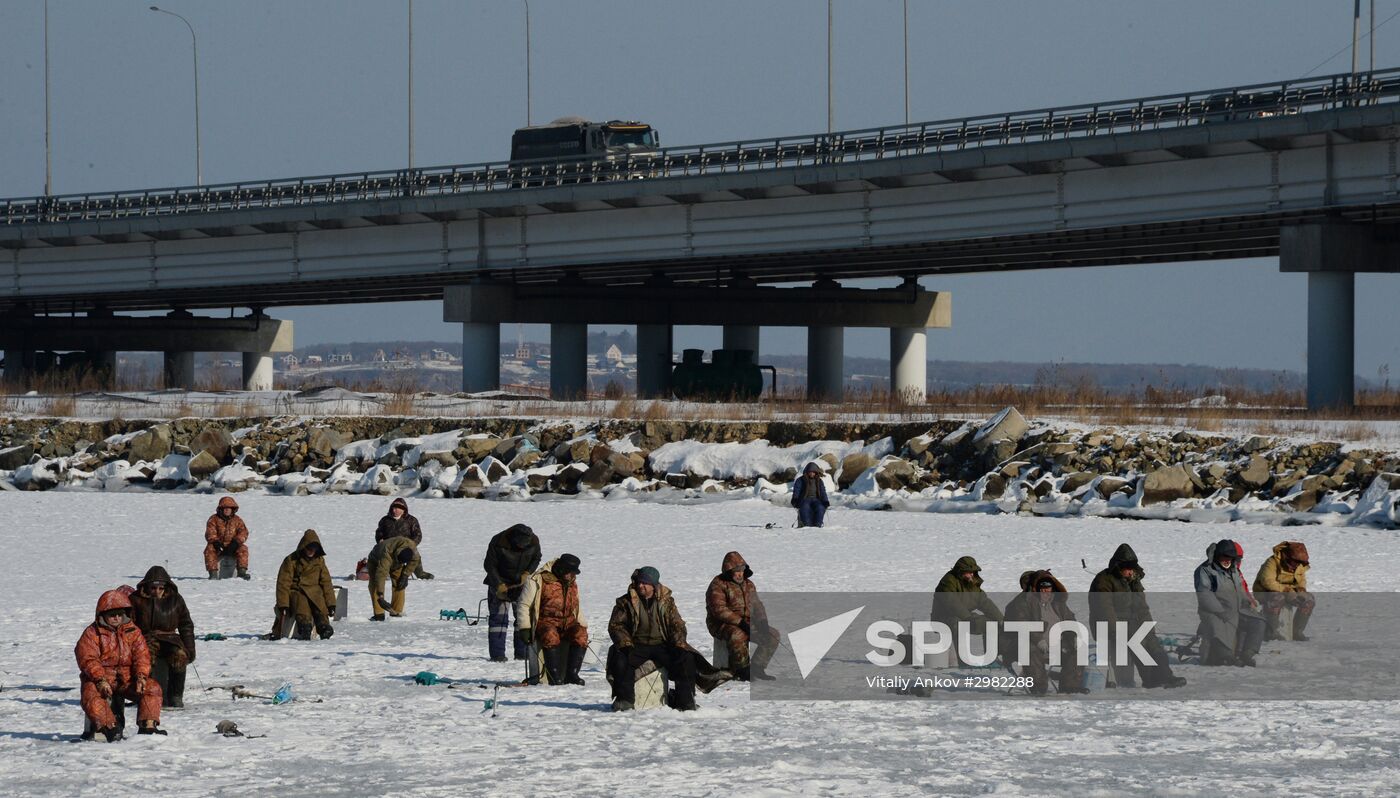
548, 615
646, 625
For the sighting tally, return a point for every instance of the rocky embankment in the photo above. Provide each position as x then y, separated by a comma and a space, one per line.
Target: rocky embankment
1002, 464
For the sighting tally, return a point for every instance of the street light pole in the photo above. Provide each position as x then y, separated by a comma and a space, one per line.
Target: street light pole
48, 156
410, 84
829, 112
906, 62
194, 48
528, 96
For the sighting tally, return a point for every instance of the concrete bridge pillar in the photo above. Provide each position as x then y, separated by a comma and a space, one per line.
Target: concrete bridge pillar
826, 354
1331, 253
104, 367
179, 370
909, 364
1331, 339
481, 357
654, 361
257, 371
742, 336
568, 360
19, 367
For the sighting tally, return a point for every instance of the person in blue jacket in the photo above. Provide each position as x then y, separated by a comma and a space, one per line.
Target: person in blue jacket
809, 497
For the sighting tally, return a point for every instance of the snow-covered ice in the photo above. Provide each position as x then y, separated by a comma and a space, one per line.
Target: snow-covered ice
375, 732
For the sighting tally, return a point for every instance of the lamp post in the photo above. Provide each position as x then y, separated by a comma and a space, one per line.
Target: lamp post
528, 97
48, 156
829, 111
410, 84
906, 63
194, 47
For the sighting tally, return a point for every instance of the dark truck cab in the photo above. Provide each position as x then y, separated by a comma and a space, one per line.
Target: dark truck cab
569, 149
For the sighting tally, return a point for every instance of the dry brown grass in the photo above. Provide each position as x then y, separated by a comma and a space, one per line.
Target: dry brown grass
228, 408
61, 406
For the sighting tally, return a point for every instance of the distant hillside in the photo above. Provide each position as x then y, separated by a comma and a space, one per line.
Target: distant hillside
950, 375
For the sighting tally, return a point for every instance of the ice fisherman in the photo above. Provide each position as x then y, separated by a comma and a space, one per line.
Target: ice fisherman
114, 666
1116, 595
511, 556
734, 615
809, 497
548, 615
304, 591
160, 613
226, 534
399, 522
1282, 581
393, 559
1044, 599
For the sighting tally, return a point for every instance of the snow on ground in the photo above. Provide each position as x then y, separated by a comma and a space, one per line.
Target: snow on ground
378, 733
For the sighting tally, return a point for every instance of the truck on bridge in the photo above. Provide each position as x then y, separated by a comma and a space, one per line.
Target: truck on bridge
575, 145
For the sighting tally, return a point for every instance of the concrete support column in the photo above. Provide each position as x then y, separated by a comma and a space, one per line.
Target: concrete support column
742, 336
104, 367
654, 361
908, 364
481, 357
257, 371
1331, 339
826, 353
19, 367
179, 370
568, 360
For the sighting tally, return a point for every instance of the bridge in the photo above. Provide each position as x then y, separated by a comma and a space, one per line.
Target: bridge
1304, 170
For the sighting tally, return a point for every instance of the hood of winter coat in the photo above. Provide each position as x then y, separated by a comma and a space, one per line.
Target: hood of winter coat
308, 538
396, 503
734, 560
1123, 557
1030, 578
811, 467
1217, 546
111, 600
228, 502
965, 564
157, 574
1291, 549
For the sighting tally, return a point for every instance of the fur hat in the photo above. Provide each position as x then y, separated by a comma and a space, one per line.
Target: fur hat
566, 564
1297, 552
647, 575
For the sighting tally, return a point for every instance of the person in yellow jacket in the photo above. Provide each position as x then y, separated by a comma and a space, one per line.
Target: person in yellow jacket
1282, 581
395, 559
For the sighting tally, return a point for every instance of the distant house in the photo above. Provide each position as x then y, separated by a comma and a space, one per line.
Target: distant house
342, 357
522, 352
442, 355
313, 360
380, 357
290, 361
613, 355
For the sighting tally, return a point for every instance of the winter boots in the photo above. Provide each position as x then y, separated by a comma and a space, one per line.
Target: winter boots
213, 574
575, 663
150, 727
751, 673
243, 574
174, 696
554, 664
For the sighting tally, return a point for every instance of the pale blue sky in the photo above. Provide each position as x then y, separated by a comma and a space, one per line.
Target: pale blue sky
314, 86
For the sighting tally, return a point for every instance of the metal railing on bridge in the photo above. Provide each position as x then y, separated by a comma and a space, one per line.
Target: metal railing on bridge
897, 141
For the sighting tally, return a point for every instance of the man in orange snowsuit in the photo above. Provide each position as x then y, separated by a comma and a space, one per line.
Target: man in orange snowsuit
115, 666
226, 533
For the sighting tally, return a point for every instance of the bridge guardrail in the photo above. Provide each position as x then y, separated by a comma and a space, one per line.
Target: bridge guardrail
895, 141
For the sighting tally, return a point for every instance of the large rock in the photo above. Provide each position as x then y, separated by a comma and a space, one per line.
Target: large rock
852, 467
15, 457
324, 442
203, 464
597, 476
214, 440
1110, 486
474, 448
894, 474
152, 444
1168, 484
1009, 424
1256, 474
